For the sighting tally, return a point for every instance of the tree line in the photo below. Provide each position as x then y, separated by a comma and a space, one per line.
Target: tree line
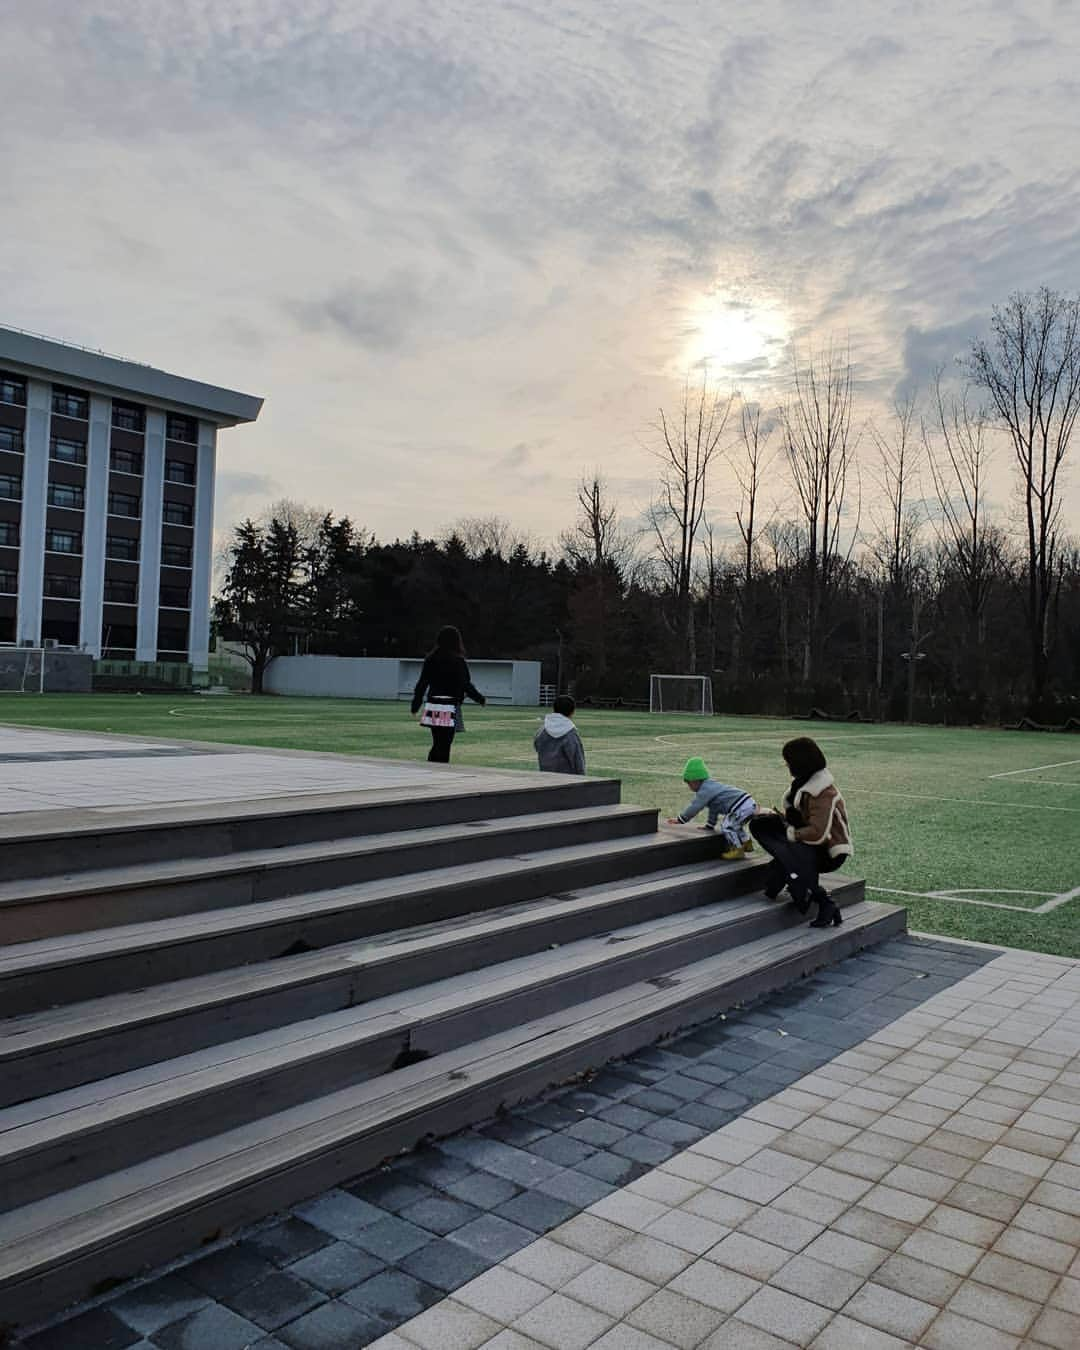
866, 572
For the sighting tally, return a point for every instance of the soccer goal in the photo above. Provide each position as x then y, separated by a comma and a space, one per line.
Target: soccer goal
681, 694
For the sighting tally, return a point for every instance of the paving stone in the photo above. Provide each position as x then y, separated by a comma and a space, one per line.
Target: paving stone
968, 1227
641, 1148
953, 1332
816, 1281
335, 1268
276, 1299
149, 1307
212, 1328
562, 1323
946, 1253
549, 1263
598, 1133
435, 1168
728, 1210
483, 1190
897, 1204
536, 1211
688, 1231
227, 1271
1057, 1328
562, 1150
1016, 1277
782, 1230
749, 1256
844, 1333
445, 1264
1036, 1249
624, 1337
611, 1169
746, 1337
392, 1297
391, 1190
341, 1215
665, 1187
440, 1214
515, 1130
550, 1114
330, 1327
608, 1289
998, 1308
493, 1238
676, 1319
877, 1229
847, 1253
891, 1311
785, 1315
909, 1276
98, 1329
452, 1326
672, 1131
649, 1258
502, 1294
576, 1187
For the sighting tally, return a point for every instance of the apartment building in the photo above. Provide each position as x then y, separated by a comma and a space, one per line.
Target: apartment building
107, 501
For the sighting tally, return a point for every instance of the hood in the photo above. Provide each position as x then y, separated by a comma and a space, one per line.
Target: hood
556, 725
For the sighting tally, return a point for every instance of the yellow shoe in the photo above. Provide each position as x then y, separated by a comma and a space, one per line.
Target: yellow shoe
748, 847
732, 855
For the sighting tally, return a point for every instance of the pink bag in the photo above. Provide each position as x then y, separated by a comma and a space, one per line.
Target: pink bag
439, 715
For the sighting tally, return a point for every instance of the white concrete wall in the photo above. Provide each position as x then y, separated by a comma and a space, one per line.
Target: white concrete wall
505, 682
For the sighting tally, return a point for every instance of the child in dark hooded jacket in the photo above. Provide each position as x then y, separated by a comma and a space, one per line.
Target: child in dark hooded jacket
558, 744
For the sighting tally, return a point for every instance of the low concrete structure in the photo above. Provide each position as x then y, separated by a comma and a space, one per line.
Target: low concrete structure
391, 678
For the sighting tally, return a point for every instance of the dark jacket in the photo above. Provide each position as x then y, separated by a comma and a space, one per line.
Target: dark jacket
558, 746
445, 677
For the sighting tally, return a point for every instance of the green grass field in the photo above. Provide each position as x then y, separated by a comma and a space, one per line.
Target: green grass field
991, 818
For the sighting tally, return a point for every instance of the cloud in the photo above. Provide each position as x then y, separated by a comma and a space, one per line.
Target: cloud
379, 317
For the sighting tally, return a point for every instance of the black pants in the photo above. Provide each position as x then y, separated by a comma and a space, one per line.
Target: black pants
442, 738
795, 865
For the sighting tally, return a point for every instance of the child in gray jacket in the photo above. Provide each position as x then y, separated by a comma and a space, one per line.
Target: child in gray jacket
729, 809
558, 745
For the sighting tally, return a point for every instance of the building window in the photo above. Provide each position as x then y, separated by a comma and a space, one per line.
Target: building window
182, 429
63, 541
126, 461
9, 534
69, 495
172, 639
11, 486
9, 582
128, 417
11, 438
61, 587
123, 504
119, 592
177, 513
67, 450
176, 555
176, 471
70, 403
175, 597
12, 390
122, 548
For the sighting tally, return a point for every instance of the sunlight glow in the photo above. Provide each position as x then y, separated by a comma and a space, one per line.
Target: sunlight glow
735, 335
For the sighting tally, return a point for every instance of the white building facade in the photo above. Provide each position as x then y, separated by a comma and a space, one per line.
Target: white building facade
107, 501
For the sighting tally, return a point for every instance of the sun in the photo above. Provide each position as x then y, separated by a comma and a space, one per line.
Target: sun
735, 334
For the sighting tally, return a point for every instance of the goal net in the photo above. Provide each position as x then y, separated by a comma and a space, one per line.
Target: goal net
681, 694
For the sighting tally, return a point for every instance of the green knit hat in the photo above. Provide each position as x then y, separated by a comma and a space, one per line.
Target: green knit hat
695, 771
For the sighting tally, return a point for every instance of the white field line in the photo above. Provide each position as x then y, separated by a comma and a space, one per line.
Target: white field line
964, 896
1061, 764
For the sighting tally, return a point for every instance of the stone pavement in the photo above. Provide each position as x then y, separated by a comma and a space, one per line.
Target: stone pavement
883, 1155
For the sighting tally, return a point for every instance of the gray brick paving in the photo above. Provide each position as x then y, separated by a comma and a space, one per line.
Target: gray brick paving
346, 1268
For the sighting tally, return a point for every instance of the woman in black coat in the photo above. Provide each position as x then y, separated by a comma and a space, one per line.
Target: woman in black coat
445, 682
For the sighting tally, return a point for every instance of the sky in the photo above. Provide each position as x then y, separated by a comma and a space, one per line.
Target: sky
466, 250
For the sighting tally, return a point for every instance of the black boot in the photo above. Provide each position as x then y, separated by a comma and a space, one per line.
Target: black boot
775, 881
828, 913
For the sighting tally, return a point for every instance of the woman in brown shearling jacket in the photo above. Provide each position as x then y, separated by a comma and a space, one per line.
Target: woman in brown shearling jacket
810, 837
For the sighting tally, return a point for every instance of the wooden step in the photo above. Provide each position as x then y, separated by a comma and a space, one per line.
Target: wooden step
62, 1047
58, 1249
70, 1137
80, 966
91, 839
75, 902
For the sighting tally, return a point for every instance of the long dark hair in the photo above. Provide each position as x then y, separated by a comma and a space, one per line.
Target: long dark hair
448, 640
803, 757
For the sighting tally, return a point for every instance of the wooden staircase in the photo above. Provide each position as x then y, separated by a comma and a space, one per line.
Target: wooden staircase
204, 1019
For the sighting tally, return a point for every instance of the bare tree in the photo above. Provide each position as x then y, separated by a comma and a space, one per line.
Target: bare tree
751, 458
488, 534
599, 550
305, 520
1030, 368
687, 447
959, 454
820, 449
